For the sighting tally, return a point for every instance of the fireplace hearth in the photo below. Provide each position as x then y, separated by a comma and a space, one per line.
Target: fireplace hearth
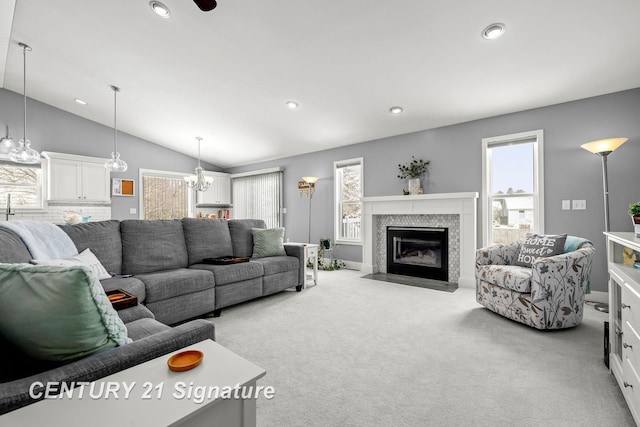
418, 251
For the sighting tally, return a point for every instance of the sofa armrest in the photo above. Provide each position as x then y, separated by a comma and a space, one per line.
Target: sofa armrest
15, 394
558, 285
500, 254
297, 250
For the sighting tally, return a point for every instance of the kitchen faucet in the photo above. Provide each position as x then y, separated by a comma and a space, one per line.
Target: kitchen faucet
8, 211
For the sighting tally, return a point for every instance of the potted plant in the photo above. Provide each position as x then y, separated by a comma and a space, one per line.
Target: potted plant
413, 171
634, 211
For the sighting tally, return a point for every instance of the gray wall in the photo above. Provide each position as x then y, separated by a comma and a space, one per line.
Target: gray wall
51, 129
455, 154
454, 151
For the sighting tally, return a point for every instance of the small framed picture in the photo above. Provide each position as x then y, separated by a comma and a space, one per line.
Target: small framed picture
122, 187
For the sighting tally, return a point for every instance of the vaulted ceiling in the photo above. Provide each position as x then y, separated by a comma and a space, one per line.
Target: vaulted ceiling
225, 75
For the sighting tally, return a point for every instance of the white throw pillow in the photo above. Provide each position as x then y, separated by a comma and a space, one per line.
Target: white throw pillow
86, 258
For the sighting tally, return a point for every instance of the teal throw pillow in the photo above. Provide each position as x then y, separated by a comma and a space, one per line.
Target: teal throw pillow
268, 242
57, 313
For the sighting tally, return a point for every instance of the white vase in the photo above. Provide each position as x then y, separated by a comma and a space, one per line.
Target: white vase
414, 185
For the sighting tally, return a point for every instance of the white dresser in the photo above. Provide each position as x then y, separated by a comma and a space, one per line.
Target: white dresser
624, 318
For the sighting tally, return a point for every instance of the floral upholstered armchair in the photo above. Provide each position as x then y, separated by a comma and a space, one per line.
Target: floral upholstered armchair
549, 295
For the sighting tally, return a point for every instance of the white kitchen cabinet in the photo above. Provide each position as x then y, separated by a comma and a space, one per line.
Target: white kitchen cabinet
218, 194
77, 179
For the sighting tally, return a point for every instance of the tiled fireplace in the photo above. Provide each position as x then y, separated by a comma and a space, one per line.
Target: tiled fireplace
454, 211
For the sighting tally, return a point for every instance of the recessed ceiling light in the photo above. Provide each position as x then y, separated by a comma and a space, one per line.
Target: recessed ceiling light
292, 105
494, 31
396, 110
80, 101
160, 9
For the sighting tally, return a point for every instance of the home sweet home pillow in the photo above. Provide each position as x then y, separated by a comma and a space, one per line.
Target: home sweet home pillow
540, 246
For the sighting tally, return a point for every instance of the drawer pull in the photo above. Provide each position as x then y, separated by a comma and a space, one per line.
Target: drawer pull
623, 305
626, 384
625, 345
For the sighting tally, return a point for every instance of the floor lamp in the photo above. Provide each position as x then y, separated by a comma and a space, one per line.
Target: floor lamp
603, 148
307, 186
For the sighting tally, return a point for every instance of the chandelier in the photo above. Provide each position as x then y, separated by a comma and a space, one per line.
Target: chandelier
199, 181
115, 163
23, 153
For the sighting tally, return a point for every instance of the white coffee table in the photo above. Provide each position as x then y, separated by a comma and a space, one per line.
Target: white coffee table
164, 405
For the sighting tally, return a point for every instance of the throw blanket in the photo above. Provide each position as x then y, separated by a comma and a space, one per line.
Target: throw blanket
573, 243
43, 239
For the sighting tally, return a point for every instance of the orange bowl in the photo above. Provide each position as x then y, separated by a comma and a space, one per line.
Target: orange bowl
185, 360
115, 297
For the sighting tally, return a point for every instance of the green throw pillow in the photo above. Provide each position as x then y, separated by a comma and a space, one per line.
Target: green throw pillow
268, 242
57, 313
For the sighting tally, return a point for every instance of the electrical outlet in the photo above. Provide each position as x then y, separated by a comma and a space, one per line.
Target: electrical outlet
566, 205
133, 211
579, 205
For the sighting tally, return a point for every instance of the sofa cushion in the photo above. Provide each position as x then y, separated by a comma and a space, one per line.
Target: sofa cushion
226, 274
511, 277
206, 238
538, 246
12, 248
57, 313
241, 235
167, 284
278, 264
103, 237
152, 245
86, 258
268, 242
129, 284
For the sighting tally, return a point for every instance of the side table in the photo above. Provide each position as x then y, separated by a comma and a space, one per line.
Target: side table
311, 255
156, 396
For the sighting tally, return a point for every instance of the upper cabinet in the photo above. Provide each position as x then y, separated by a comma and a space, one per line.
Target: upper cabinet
218, 194
77, 179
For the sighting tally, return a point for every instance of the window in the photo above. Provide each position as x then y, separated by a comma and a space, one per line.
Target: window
347, 176
258, 195
165, 195
512, 203
23, 183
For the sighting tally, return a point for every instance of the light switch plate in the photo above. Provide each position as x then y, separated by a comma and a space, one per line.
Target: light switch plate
133, 211
579, 205
566, 205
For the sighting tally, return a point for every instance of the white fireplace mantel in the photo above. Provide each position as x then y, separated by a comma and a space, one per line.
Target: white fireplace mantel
462, 204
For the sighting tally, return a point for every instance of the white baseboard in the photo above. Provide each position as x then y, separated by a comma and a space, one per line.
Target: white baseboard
597, 296
353, 265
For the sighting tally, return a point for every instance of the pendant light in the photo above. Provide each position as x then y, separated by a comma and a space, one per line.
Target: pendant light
199, 181
115, 163
23, 153
6, 143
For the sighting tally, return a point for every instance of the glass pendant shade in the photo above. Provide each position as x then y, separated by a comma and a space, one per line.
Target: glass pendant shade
115, 163
6, 143
199, 181
23, 153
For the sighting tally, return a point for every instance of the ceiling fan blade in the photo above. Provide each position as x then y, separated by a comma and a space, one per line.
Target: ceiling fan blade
206, 5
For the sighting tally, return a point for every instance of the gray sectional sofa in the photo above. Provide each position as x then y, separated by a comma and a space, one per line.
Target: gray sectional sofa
161, 262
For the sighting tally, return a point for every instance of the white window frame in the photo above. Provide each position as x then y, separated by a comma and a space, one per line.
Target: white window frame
336, 203
537, 138
42, 187
154, 172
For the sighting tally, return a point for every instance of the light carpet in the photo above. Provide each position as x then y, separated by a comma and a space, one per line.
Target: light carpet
359, 352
